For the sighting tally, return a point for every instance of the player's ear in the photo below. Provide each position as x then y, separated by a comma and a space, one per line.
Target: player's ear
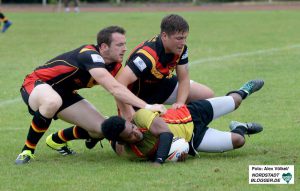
103, 46
164, 35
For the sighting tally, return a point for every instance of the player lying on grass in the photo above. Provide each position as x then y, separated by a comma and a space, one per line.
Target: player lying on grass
139, 140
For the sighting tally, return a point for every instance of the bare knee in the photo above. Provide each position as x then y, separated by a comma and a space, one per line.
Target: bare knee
237, 140
199, 91
50, 106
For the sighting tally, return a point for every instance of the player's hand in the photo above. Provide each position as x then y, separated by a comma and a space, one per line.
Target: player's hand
156, 107
177, 105
183, 157
120, 149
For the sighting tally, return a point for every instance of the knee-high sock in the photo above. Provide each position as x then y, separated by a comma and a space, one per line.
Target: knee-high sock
38, 127
222, 105
69, 134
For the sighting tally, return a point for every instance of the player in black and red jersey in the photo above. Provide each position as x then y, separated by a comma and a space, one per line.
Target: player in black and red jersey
149, 69
50, 91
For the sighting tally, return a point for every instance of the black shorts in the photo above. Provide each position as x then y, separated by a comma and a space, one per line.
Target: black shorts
68, 98
202, 114
155, 92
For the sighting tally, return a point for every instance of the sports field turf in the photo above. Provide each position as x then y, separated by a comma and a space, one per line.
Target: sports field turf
226, 49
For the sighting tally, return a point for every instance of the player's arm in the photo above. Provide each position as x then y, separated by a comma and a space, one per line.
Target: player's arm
126, 77
136, 66
183, 85
160, 129
120, 92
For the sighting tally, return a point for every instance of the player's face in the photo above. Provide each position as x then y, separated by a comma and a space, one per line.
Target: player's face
131, 134
174, 43
117, 47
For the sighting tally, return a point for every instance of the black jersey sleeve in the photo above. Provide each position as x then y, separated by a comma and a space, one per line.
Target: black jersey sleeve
139, 64
90, 59
184, 58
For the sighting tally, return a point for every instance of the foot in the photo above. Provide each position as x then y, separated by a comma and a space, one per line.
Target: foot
252, 86
24, 157
62, 148
76, 10
252, 128
91, 142
6, 26
67, 9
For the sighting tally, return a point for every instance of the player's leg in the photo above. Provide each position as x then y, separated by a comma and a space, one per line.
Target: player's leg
43, 103
197, 92
66, 4
76, 4
226, 104
87, 122
221, 141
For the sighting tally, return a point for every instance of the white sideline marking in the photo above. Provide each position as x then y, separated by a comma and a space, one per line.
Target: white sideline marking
13, 129
242, 54
200, 61
10, 101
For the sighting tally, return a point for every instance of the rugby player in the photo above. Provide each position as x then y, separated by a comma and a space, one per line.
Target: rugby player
149, 69
50, 91
5, 21
140, 139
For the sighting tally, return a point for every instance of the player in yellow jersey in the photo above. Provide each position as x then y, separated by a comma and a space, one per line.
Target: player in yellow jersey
141, 139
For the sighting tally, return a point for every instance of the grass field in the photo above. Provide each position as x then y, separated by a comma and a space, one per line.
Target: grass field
225, 50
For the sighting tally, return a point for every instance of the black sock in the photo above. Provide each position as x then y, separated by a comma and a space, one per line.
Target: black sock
242, 93
38, 127
241, 130
69, 134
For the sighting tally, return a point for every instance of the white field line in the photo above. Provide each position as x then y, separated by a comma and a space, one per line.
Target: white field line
9, 102
14, 129
243, 54
200, 61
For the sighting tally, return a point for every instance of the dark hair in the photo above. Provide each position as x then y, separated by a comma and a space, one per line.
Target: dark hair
112, 127
104, 36
171, 24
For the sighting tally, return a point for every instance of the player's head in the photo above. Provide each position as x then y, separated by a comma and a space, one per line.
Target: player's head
112, 43
116, 128
174, 30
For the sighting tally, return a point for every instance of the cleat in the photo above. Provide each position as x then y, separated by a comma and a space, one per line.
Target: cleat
62, 148
91, 143
252, 86
252, 128
24, 157
6, 26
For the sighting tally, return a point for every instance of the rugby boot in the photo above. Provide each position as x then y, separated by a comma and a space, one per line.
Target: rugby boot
62, 148
252, 86
251, 128
24, 157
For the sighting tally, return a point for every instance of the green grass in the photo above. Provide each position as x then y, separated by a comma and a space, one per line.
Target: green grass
262, 42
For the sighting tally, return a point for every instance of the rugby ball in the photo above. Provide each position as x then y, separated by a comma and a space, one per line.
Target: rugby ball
179, 146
